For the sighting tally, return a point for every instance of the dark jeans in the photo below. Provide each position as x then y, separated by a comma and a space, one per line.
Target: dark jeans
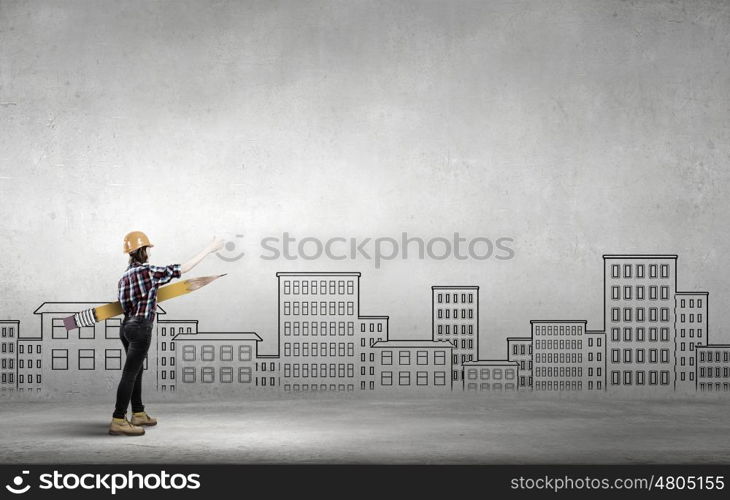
136, 335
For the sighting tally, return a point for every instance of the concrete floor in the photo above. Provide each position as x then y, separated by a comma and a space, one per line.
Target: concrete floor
451, 429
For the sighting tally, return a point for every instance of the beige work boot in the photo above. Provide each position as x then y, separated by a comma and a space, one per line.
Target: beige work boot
122, 427
143, 419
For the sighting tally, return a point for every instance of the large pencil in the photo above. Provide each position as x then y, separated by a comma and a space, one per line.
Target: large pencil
90, 316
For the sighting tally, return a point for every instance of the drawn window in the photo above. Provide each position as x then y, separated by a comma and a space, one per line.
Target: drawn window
244, 374
113, 359
188, 353
439, 358
404, 358
386, 358
244, 353
207, 374
652, 314
86, 359
59, 359
652, 334
615, 271
59, 331
226, 375
227, 353
188, 375
627, 314
386, 378
665, 314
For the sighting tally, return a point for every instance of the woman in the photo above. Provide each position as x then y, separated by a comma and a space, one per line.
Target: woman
138, 296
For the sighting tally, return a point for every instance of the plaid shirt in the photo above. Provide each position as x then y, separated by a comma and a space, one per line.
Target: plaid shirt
138, 287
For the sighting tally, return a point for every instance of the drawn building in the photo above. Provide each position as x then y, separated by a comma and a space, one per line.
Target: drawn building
317, 317
455, 319
29, 364
266, 371
519, 350
372, 329
413, 364
558, 354
8, 355
639, 321
491, 376
594, 347
83, 360
166, 373
713, 368
690, 333
217, 362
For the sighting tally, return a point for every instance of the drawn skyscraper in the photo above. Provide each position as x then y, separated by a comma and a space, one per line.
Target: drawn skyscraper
691, 332
455, 319
639, 320
558, 355
372, 329
519, 350
594, 348
167, 373
317, 317
9, 330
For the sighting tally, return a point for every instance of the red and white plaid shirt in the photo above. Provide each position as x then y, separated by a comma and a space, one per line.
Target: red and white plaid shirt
138, 287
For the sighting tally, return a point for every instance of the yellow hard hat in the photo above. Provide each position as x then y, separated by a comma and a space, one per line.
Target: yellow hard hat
135, 240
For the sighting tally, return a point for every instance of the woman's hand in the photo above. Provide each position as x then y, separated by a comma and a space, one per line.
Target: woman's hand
215, 245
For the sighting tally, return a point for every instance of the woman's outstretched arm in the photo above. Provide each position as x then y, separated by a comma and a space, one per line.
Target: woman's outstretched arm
213, 246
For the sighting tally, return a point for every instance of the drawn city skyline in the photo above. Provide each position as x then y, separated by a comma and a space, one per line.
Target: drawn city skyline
654, 338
